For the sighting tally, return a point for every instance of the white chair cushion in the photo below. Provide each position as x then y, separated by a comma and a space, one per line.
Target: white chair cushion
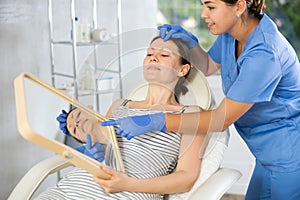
211, 161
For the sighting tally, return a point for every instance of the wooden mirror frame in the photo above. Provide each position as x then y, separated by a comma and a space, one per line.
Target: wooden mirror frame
71, 155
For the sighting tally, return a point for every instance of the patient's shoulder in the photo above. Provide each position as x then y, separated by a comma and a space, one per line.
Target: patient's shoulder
117, 103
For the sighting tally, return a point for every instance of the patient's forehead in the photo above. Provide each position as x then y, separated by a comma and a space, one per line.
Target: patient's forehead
168, 45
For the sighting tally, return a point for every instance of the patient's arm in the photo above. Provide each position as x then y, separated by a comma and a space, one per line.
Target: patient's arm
116, 104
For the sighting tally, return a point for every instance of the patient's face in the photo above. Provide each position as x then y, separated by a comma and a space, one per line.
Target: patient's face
162, 63
79, 123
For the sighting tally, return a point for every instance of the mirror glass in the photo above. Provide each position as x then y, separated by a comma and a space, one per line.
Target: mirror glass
42, 104
42, 108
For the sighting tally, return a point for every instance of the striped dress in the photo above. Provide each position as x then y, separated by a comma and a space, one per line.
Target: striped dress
150, 155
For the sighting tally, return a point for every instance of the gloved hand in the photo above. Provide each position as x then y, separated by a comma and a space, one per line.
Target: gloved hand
62, 119
130, 127
96, 151
167, 31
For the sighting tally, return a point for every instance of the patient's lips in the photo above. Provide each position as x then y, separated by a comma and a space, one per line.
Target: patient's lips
153, 67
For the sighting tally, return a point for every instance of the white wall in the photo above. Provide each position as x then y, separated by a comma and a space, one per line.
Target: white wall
24, 41
24, 47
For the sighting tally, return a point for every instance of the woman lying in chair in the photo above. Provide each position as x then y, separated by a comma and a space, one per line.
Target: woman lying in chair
155, 163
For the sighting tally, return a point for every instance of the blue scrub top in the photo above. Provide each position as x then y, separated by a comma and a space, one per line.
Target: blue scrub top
267, 73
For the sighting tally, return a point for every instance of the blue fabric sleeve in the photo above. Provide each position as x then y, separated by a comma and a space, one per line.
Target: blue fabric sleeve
259, 75
215, 50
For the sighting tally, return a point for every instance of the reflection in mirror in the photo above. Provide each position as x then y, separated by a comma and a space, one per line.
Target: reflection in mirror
38, 105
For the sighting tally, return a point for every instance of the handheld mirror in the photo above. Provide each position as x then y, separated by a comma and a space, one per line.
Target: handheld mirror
37, 106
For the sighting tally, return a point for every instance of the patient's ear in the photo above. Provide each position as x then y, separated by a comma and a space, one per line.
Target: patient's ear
184, 70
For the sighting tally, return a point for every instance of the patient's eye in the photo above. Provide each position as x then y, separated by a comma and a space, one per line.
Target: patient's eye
165, 53
74, 131
77, 116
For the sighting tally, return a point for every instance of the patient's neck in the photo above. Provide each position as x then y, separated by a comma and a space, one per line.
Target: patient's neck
158, 98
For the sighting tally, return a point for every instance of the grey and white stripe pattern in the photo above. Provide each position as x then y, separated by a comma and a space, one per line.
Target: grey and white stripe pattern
150, 155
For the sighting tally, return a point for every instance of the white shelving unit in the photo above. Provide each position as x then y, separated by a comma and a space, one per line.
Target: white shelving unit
74, 47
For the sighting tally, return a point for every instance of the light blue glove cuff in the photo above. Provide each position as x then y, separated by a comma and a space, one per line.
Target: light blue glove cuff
155, 121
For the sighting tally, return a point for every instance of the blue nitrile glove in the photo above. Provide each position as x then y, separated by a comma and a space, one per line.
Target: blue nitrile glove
62, 119
167, 31
130, 127
97, 151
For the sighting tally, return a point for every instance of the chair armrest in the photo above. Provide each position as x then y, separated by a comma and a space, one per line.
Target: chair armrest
36, 175
216, 185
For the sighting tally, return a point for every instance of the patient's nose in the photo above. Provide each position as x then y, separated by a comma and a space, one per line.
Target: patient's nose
154, 59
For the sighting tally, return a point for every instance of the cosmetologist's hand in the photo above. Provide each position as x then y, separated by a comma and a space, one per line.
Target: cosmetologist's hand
130, 127
96, 151
168, 31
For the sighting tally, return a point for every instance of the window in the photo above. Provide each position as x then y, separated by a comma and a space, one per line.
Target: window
187, 13
285, 15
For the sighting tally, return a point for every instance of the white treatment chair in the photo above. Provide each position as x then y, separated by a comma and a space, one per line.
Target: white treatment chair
213, 181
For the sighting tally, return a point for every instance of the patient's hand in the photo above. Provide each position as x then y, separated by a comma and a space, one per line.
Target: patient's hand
117, 183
